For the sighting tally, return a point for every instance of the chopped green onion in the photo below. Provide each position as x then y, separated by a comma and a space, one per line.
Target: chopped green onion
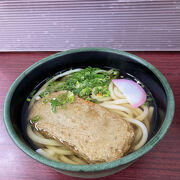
44, 94
148, 100
62, 100
83, 83
28, 99
35, 119
48, 79
70, 97
45, 101
32, 93
142, 85
54, 102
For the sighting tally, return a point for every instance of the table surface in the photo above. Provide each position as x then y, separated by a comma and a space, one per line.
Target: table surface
163, 162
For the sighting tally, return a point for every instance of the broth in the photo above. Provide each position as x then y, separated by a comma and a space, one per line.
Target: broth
72, 158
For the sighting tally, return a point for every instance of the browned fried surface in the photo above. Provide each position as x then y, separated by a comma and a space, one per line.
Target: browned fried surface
93, 132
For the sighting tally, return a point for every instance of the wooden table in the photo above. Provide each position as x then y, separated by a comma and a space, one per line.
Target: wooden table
163, 162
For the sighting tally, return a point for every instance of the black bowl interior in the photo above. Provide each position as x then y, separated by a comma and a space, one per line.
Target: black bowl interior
83, 59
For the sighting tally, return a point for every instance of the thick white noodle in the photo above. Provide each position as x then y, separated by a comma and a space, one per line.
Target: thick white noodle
60, 154
60, 151
147, 120
142, 116
46, 154
144, 132
49, 151
117, 107
123, 114
147, 124
150, 114
111, 91
40, 140
121, 106
42, 89
118, 101
65, 74
118, 93
100, 70
66, 160
138, 135
79, 161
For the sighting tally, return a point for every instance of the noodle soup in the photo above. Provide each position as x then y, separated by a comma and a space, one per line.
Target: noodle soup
96, 86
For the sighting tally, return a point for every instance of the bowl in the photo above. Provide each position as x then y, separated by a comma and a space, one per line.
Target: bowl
95, 57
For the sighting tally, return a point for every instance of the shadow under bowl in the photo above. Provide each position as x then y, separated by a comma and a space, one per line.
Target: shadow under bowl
95, 57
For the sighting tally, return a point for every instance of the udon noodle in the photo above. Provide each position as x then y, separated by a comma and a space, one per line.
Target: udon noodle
140, 118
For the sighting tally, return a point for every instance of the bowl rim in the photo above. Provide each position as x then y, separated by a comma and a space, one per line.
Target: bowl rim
91, 167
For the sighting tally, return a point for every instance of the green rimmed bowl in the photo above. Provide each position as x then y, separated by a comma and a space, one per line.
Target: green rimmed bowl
96, 57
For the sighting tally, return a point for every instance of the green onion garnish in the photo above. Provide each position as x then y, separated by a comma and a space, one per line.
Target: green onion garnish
61, 100
28, 99
35, 119
45, 101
